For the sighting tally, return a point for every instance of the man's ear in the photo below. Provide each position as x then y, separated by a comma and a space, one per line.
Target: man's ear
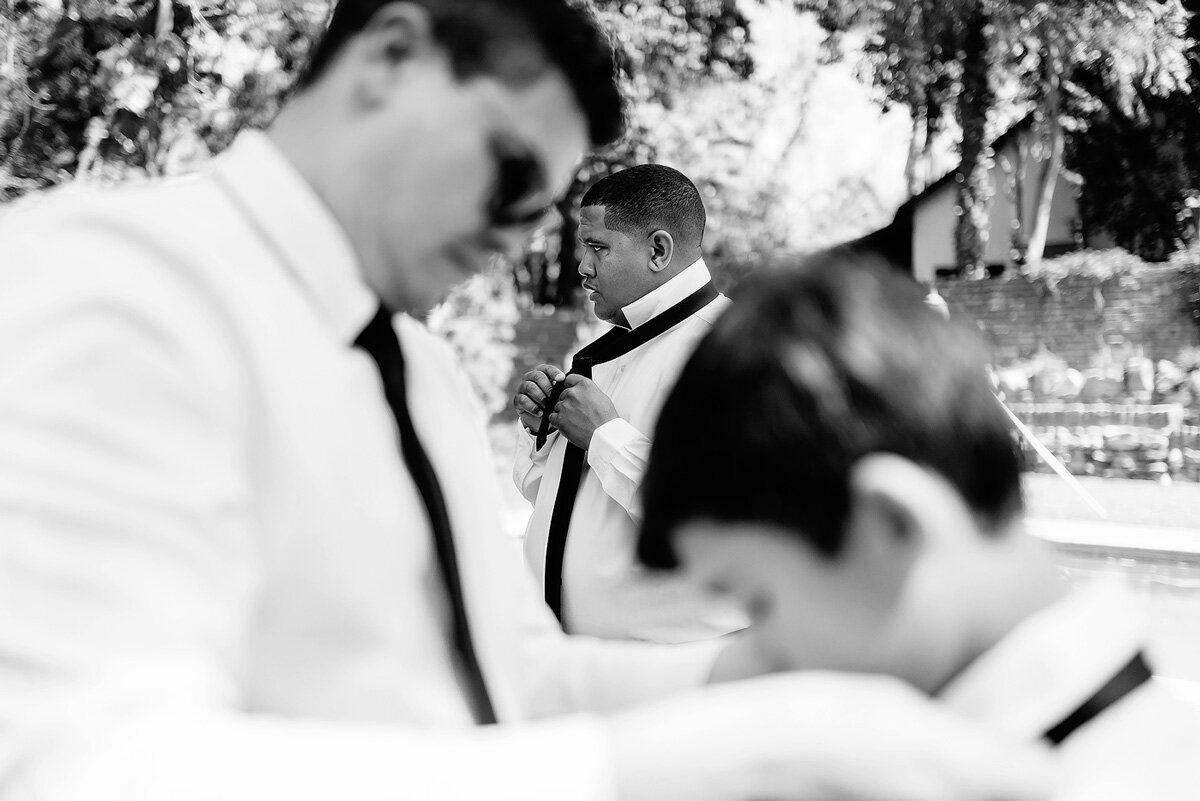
396, 35
662, 248
913, 506
898, 509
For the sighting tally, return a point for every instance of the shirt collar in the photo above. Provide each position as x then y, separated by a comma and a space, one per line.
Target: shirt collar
659, 299
299, 227
1052, 661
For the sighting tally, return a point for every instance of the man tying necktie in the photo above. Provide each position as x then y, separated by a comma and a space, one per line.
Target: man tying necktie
581, 462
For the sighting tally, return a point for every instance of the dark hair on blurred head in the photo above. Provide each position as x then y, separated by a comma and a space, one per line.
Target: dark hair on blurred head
807, 372
649, 197
479, 36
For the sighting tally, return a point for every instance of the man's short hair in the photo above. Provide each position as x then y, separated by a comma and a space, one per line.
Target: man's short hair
808, 371
479, 34
647, 198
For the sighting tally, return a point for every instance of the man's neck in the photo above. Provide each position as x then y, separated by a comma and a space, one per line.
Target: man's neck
1019, 581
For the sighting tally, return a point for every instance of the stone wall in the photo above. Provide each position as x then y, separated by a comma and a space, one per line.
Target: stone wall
1078, 318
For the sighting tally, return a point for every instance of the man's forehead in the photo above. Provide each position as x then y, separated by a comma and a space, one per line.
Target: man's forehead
591, 218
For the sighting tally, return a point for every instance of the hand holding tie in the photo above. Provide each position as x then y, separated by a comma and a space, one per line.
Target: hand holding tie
533, 392
582, 408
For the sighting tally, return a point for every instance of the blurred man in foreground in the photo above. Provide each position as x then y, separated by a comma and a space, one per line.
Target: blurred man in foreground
869, 519
249, 526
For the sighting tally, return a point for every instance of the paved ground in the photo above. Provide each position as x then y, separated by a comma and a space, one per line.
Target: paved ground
1131, 501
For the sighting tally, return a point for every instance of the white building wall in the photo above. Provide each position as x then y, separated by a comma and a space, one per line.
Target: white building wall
934, 220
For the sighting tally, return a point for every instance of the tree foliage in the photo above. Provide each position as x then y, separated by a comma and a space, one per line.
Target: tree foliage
1139, 159
663, 50
125, 88
116, 88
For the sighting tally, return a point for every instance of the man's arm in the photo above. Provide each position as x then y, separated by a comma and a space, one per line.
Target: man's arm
616, 451
618, 457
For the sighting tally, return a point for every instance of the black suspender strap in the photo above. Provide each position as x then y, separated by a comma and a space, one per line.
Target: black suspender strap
1132, 675
380, 341
612, 345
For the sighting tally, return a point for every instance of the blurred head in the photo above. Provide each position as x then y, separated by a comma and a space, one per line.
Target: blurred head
639, 227
440, 131
833, 457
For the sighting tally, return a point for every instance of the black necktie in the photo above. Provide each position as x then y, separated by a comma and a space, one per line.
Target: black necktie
1134, 674
611, 345
379, 340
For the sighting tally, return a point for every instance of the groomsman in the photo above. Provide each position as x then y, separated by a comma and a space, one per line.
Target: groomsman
640, 230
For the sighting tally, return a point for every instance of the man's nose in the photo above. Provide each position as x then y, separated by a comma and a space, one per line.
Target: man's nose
585, 263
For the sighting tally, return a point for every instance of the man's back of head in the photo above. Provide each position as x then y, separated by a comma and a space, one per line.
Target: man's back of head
833, 456
811, 370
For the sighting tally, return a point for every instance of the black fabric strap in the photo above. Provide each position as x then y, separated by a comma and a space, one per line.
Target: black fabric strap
1134, 674
379, 340
612, 345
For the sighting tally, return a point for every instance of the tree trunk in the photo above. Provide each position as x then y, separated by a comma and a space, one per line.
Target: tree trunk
917, 147
1048, 176
566, 288
974, 169
1047, 179
1016, 187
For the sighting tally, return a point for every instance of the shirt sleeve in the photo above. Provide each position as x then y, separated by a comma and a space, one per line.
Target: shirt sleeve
618, 455
529, 462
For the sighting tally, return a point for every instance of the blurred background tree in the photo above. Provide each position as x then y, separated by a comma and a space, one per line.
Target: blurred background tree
128, 88
761, 102
984, 63
1139, 159
123, 89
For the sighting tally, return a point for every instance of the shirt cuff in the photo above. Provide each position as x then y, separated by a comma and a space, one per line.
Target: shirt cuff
529, 440
609, 440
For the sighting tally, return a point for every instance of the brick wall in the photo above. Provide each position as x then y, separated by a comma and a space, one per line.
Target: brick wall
1082, 315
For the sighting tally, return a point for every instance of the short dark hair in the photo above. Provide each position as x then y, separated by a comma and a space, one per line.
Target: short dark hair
649, 197
478, 34
808, 371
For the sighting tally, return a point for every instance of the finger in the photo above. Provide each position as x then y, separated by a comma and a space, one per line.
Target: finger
530, 421
575, 379
533, 390
524, 405
551, 372
542, 381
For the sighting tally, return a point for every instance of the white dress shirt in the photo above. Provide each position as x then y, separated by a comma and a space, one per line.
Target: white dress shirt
216, 576
1144, 746
606, 592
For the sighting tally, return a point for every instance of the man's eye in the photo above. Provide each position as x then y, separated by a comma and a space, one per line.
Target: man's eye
596, 248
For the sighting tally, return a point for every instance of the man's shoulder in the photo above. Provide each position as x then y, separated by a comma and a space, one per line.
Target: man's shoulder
139, 249
186, 209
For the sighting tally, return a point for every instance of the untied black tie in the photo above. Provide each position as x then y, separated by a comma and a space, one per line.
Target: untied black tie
611, 345
379, 340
